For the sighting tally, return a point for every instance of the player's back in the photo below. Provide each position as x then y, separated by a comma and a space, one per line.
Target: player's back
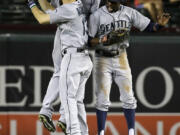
74, 27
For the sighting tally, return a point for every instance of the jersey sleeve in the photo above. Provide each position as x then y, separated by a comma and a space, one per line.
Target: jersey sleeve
93, 25
62, 14
54, 3
139, 21
95, 5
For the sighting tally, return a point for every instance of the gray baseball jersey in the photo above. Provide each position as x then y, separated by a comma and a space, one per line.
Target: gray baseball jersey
90, 6
55, 3
102, 22
74, 32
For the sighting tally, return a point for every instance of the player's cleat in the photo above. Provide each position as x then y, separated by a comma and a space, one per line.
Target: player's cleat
47, 122
131, 131
62, 126
102, 132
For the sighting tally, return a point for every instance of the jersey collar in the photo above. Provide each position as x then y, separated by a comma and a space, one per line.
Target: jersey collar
106, 10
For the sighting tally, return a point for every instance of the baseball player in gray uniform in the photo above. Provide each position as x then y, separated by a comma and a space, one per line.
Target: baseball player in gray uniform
109, 27
76, 65
53, 87
52, 93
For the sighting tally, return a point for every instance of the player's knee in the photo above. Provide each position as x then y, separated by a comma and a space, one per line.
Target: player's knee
129, 103
104, 106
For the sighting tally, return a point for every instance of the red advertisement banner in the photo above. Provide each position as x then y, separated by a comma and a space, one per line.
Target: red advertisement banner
146, 124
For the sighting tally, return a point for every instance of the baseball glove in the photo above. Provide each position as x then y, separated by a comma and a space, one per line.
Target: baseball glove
117, 36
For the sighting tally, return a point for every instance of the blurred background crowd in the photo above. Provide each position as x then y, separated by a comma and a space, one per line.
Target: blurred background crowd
16, 16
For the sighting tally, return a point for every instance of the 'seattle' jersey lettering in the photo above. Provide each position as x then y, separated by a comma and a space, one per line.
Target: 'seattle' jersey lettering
105, 28
103, 22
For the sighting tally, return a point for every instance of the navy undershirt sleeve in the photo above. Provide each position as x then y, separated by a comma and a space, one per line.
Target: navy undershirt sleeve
150, 27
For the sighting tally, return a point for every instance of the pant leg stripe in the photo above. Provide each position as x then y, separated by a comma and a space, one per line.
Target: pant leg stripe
67, 91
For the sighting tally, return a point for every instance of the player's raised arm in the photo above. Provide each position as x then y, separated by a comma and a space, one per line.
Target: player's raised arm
145, 24
161, 22
61, 14
45, 5
40, 16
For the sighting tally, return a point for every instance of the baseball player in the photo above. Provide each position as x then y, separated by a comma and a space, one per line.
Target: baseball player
109, 27
76, 64
52, 91
53, 88
76, 68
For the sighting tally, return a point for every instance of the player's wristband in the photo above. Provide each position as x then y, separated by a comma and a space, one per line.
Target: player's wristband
31, 4
152, 27
158, 26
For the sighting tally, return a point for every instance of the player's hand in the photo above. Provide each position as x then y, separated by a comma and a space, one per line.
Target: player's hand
104, 39
163, 19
